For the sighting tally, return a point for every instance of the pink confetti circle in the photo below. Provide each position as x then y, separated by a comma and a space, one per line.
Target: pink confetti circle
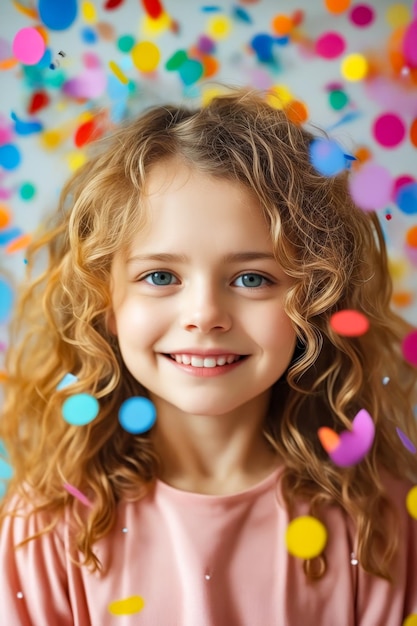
410, 44
28, 46
330, 45
362, 15
389, 130
409, 348
371, 187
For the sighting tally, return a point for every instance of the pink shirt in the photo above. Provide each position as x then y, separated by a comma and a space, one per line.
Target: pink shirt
203, 560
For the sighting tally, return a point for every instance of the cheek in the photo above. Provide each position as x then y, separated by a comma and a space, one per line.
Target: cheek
139, 324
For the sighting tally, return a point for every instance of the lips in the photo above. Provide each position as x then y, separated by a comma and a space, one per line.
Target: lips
205, 361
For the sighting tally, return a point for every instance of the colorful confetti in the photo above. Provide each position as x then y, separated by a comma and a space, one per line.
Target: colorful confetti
351, 446
349, 323
28, 46
80, 409
128, 606
137, 415
306, 537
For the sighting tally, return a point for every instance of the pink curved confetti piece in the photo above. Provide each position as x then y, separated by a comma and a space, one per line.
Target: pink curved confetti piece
78, 494
355, 444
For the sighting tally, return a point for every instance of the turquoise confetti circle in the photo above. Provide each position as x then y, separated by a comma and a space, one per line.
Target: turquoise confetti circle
80, 409
137, 415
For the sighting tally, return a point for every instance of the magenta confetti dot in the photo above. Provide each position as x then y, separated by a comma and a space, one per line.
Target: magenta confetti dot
389, 130
406, 441
362, 15
371, 187
409, 348
330, 45
28, 46
410, 44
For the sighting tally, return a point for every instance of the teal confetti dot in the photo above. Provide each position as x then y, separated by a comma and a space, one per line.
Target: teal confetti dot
338, 99
137, 415
176, 60
6, 470
125, 43
27, 191
191, 71
80, 409
327, 157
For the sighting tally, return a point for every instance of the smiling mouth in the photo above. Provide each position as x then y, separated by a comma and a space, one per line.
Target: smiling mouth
238, 358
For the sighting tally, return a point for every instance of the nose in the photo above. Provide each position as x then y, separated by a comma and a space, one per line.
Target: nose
205, 309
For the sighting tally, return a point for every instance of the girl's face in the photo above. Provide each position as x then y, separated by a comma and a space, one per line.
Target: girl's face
203, 301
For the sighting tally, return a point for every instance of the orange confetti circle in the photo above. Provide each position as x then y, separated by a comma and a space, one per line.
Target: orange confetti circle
337, 6
297, 112
411, 237
5, 216
413, 132
282, 25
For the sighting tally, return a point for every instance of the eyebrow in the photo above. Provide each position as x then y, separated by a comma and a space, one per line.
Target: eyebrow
233, 257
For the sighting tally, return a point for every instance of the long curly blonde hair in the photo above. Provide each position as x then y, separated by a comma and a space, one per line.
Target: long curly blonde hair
335, 253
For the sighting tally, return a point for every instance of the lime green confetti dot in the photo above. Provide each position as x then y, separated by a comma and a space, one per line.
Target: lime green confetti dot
176, 60
338, 99
27, 191
125, 43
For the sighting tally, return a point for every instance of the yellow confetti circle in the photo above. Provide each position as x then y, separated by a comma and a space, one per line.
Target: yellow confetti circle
411, 502
354, 67
151, 27
219, 27
279, 96
397, 268
145, 56
75, 160
411, 620
88, 11
134, 604
209, 93
397, 15
306, 537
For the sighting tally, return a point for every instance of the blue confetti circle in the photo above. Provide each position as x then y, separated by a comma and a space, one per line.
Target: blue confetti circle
80, 409
9, 156
57, 15
327, 157
407, 198
88, 35
137, 415
6, 300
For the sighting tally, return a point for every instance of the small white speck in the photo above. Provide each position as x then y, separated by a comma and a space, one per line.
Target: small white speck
124, 530
385, 380
207, 576
353, 559
19, 594
405, 70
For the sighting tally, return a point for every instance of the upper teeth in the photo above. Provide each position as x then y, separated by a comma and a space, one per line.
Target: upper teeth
198, 361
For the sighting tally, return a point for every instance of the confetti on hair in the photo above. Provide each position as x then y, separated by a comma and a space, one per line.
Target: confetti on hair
409, 348
353, 445
6, 300
128, 606
306, 537
78, 494
406, 441
349, 323
327, 157
411, 502
80, 409
68, 379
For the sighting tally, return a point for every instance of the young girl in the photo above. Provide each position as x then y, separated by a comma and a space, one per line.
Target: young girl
195, 266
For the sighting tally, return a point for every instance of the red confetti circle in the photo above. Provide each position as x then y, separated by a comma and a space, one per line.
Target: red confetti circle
349, 323
389, 130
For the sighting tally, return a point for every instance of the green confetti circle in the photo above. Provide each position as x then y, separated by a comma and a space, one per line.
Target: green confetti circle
27, 191
125, 43
338, 99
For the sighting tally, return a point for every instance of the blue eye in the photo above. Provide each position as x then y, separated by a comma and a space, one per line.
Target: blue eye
250, 280
164, 277
253, 280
